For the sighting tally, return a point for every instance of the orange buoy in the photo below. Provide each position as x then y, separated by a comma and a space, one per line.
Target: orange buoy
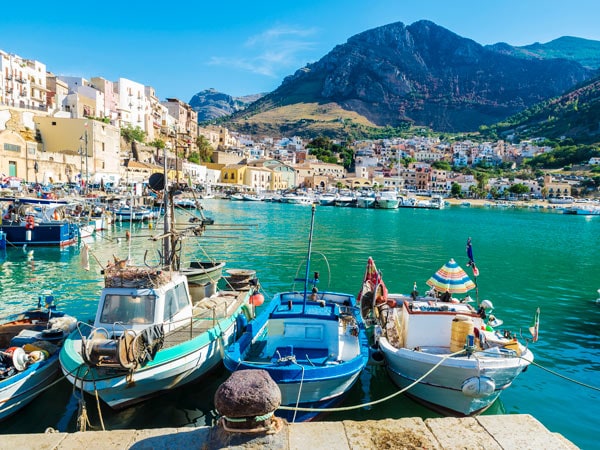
256, 299
391, 303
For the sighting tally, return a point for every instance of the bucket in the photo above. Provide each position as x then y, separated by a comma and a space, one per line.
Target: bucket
462, 326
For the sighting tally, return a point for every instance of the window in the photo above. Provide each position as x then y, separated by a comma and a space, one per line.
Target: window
175, 300
12, 147
128, 309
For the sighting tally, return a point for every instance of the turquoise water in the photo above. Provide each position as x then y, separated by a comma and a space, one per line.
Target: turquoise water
526, 258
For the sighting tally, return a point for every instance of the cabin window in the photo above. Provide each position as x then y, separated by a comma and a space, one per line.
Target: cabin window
128, 309
175, 301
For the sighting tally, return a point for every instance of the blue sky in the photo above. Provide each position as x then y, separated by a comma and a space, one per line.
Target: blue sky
243, 47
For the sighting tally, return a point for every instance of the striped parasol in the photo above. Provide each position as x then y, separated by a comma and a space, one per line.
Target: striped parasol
451, 277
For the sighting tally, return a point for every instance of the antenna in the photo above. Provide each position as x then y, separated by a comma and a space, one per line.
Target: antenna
310, 236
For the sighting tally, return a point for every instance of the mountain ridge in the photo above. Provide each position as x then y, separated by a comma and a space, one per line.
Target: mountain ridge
420, 74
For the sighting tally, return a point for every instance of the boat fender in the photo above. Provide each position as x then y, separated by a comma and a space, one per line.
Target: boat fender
257, 299
478, 387
376, 356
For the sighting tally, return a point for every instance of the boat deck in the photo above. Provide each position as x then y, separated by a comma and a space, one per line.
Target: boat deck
207, 313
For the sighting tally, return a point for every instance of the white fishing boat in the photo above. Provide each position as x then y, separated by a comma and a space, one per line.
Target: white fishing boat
444, 353
297, 199
387, 200
151, 333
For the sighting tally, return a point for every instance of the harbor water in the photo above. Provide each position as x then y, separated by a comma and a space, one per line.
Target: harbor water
526, 259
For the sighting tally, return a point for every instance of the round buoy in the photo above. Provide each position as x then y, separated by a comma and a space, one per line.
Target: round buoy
257, 299
391, 303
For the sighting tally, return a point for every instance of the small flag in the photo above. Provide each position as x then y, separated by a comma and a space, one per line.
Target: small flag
535, 326
471, 262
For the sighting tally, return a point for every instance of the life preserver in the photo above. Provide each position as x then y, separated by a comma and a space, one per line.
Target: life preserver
29, 223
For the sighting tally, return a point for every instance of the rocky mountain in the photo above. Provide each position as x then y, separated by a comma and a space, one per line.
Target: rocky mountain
421, 74
210, 104
583, 51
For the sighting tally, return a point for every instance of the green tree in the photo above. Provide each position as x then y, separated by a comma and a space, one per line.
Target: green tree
519, 189
205, 150
132, 136
456, 190
442, 165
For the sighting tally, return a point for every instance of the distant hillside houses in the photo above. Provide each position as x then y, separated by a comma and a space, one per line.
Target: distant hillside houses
69, 129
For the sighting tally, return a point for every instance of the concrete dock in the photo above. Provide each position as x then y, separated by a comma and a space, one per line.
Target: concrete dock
483, 432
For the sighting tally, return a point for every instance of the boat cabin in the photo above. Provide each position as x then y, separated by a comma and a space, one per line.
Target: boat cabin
131, 302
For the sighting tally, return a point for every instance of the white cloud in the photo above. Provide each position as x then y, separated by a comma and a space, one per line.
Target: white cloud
272, 52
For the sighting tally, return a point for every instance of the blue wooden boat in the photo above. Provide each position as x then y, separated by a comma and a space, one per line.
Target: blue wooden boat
29, 349
313, 344
38, 222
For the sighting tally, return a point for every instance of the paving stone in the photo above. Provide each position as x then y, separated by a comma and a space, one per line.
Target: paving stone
406, 433
461, 433
38, 441
315, 435
520, 431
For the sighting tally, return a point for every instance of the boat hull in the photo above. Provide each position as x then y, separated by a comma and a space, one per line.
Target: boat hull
22, 388
443, 388
45, 234
171, 367
313, 372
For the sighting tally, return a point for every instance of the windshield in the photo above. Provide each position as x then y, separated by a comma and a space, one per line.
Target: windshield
128, 309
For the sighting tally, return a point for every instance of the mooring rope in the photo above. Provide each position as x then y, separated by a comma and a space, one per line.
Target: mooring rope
595, 388
374, 402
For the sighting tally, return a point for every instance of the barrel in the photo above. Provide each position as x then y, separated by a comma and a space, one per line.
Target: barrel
462, 326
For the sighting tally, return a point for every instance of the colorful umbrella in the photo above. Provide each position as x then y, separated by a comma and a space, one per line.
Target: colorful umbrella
451, 277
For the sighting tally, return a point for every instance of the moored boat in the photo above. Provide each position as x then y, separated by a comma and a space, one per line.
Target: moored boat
35, 222
312, 344
387, 200
151, 332
29, 349
440, 349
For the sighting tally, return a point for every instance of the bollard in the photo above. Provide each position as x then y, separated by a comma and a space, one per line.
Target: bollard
247, 401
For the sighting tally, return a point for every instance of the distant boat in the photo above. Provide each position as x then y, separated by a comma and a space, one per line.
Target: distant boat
561, 200
29, 349
387, 200
312, 344
297, 199
38, 222
134, 214
185, 203
327, 199
366, 200
252, 198
583, 210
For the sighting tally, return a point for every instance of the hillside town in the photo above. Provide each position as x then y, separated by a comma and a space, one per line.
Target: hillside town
65, 130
